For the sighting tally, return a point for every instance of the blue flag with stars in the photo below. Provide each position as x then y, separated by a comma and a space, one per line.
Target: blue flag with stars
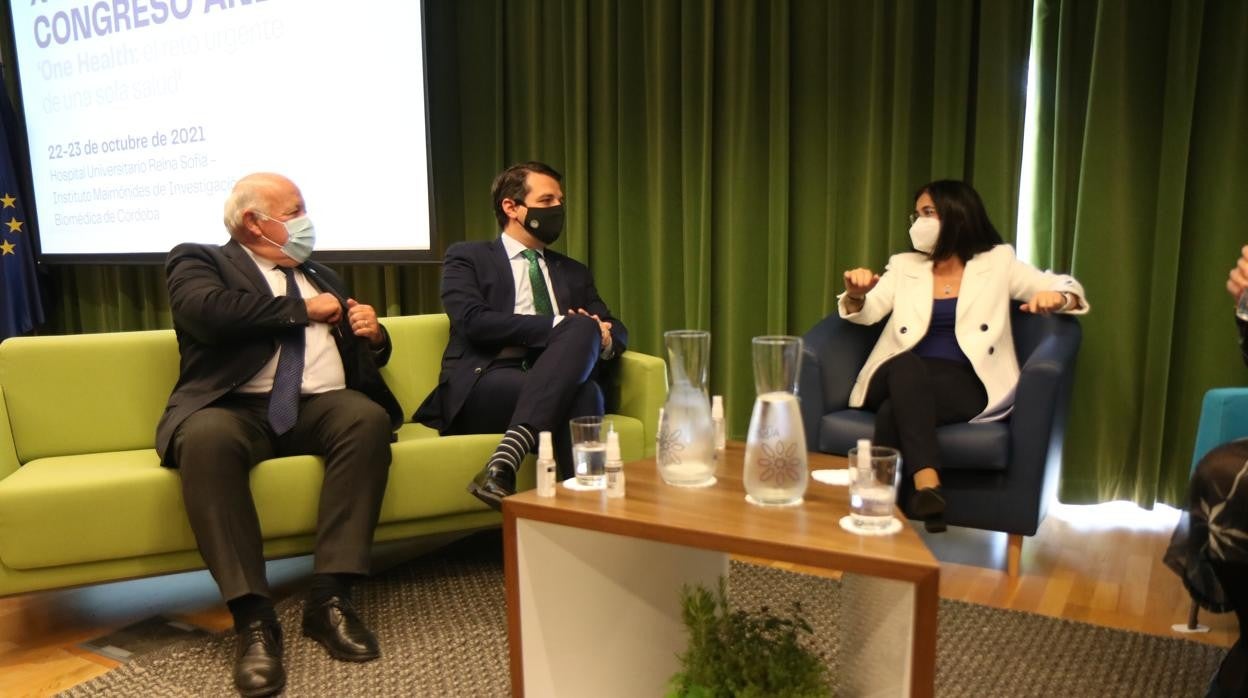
20, 305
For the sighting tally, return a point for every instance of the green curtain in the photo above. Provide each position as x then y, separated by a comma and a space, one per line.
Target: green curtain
97, 298
725, 160
1142, 160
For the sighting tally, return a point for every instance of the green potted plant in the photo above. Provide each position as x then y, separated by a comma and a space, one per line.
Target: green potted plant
738, 653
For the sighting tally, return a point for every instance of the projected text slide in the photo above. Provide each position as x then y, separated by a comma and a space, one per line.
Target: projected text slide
141, 114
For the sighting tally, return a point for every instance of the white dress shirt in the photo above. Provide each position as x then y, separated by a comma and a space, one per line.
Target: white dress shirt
322, 364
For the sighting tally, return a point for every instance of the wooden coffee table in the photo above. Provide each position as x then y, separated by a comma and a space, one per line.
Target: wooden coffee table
593, 584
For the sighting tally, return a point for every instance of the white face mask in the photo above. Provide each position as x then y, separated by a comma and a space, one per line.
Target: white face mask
924, 233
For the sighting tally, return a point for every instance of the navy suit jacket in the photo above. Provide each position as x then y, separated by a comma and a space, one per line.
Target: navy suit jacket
479, 295
228, 323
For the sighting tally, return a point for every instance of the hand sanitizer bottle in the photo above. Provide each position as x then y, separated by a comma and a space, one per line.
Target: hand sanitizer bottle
545, 466
615, 467
864, 455
860, 475
717, 423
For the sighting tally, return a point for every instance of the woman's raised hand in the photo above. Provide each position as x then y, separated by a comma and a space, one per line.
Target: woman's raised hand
859, 281
1044, 303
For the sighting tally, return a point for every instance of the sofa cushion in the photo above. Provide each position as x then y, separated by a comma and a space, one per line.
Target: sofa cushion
73, 509
982, 446
412, 431
99, 506
632, 447
106, 506
91, 393
412, 371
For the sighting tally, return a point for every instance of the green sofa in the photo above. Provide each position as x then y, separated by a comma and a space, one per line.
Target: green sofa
83, 498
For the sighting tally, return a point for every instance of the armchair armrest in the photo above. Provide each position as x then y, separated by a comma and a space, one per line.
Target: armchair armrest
1039, 388
810, 395
8, 447
643, 390
833, 351
1223, 418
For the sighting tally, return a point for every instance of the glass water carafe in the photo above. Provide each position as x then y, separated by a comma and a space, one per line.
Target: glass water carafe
686, 442
775, 449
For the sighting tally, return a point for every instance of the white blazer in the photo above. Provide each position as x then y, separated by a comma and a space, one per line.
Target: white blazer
990, 282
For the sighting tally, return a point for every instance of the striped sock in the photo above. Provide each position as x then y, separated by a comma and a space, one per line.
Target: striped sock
516, 444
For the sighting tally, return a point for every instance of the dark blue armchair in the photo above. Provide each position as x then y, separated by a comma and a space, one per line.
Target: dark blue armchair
998, 476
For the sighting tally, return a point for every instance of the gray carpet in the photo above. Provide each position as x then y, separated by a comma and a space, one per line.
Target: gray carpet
442, 626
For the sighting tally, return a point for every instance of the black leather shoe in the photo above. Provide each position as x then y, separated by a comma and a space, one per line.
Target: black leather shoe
929, 504
258, 660
335, 624
492, 484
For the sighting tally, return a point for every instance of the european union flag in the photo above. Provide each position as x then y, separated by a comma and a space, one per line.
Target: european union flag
20, 306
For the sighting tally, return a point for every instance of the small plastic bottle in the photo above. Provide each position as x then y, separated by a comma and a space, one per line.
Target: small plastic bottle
864, 455
860, 474
717, 423
615, 467
546, 478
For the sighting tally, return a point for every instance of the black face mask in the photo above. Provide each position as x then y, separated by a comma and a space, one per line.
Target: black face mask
545, 224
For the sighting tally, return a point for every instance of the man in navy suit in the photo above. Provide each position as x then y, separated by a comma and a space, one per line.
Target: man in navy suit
529, 334
276, 361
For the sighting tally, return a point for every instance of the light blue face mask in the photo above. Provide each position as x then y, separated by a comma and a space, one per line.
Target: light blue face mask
300, 237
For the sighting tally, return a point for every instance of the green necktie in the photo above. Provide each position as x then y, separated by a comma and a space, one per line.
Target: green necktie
537, 282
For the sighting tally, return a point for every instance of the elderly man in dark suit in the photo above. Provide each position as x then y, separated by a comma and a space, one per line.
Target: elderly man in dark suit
276, 361
529, 334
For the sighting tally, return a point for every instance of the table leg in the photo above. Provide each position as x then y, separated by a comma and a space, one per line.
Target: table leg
886, 647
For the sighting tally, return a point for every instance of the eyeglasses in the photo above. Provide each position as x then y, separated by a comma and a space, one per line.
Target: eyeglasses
925, 212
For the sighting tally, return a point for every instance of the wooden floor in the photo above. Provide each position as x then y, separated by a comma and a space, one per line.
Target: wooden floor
1099, 565
1094, 564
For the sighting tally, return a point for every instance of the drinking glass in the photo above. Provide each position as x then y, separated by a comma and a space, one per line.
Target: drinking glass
589, 450
873, 487
775, 447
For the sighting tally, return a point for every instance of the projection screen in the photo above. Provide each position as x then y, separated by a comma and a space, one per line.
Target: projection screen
141, 114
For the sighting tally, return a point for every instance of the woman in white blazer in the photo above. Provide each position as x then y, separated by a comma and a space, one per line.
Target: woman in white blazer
946, 354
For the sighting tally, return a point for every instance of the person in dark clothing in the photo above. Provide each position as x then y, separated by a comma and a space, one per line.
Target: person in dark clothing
1209, 548
276, 360
529, 334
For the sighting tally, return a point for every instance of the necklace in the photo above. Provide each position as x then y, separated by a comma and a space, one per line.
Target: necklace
946, 273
